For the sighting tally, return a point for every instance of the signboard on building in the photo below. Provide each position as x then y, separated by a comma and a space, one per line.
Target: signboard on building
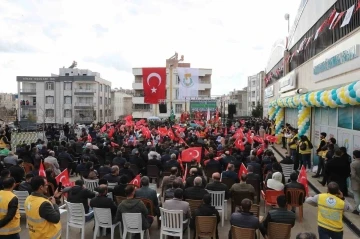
288, 82
336, 61
35, 78
202, 105
269, 91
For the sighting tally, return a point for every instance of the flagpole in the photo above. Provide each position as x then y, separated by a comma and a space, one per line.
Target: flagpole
171, 63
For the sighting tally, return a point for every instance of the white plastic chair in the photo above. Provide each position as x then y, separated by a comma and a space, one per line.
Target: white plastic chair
287, 170
91, 184
172, 223
103, 219
76, 218
218, 201
22, 195
133, 224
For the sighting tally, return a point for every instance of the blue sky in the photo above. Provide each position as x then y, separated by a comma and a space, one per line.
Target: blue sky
234, 38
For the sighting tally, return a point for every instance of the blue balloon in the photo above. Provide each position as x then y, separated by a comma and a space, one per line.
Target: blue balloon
352, 93
358, 99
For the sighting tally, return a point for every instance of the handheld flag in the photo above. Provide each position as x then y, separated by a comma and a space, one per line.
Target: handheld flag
42, 170
136, 181
63, 177
303, 179
242, 170
185, 173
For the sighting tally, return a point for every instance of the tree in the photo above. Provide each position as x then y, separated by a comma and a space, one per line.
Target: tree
257, 112
32, 118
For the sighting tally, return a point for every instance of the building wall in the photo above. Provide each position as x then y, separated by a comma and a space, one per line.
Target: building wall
121, 104
255, 90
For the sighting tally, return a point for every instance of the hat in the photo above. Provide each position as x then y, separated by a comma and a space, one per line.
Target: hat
275, 182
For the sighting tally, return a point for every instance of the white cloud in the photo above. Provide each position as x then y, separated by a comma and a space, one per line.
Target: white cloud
234, 38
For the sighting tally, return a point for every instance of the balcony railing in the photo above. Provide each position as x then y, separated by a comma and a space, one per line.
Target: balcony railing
84, 119
141, 110
27, 90
85, 104
80, 90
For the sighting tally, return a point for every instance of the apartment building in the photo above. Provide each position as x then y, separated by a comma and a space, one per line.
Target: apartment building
239, 98
121, 103
74, 95
255, 90
142, 110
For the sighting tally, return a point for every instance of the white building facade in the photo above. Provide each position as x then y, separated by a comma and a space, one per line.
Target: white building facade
142, 110
255, 89
74, 96
121, 103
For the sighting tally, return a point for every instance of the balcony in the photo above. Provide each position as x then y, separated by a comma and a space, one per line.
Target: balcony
29, 106
28, 91
79, 119
79, 105
138, 100
137, 85
84, 91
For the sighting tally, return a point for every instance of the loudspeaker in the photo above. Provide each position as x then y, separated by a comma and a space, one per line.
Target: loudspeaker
162, 108
232, 109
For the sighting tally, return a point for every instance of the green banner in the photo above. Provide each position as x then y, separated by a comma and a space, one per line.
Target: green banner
202, 105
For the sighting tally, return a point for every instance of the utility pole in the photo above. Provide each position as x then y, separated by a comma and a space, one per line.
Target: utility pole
171, 63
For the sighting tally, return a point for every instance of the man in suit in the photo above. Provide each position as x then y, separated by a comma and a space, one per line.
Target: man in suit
102, 201
355, 179
216, 185
172, 163
168, 180
244, 219
206, 209
177, 203
251, 175
190, 180
196, 192
213, 164
242, 186
148, 193
278, 215
256, 166
230, 173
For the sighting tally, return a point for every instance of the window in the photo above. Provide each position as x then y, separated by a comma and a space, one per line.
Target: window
105, 113
178, 108
253, 83
109, 112
49, 99
252, 93
67, 113
106, 101
177, 93
49, 113
142, 107
109, 101
101, 114
67, 86
253, 103
67, 100
49, 86
100, 87
356, 121
345, 117
100, 101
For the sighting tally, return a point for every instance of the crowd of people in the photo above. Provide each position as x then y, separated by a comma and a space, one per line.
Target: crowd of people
118, 153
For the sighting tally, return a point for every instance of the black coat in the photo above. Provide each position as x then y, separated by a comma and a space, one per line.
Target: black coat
104, 202
194, 193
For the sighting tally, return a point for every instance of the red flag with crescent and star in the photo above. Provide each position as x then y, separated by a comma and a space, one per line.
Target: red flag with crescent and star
242, 170
136, 181
42, 170
63, 177
191, 153
154, 84
303, 179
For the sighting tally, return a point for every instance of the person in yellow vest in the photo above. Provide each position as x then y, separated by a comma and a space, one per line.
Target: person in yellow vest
331, 206
42, 213
293, 144
320, 152
4, 142
9, 211
305, 148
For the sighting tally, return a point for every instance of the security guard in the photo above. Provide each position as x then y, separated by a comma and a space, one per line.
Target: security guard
9, 211
43, 216
321, 152
293, 143
331, 206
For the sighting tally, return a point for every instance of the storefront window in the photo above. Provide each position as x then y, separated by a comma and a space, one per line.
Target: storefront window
332, 117
324, 116
317, 115
356, 121
345, 117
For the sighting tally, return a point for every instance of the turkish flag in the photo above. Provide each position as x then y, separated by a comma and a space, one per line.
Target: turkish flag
42, 170
191, 153
154, 84
162, 131
242, 170
185, 174
103, 129
63, 177
239, 144
270, 138
136, 181
303, 179
89, 139
114, 145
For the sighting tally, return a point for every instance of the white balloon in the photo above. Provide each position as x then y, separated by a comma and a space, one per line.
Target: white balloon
357, 86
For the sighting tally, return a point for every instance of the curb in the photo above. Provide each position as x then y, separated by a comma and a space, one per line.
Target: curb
346, 220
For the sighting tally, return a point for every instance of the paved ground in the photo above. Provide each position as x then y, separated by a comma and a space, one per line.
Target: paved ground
309, 224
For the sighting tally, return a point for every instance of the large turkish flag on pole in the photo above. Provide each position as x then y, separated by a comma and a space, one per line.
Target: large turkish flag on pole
154, 83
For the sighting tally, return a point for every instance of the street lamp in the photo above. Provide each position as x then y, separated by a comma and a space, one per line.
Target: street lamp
287, 18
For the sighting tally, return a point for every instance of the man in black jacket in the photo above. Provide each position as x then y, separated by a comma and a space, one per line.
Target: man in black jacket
196, 192
216, 185
102, 201
251, 175
26, 185
17, 171
190, 180
80, 194
113, 177
205, 209
278, 215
